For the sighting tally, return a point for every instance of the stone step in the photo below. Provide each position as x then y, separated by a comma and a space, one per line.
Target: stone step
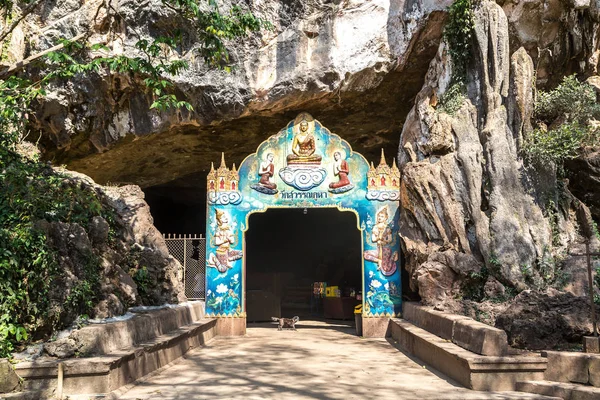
112, 354
562, 390
98, 376
147, 324
461, 330
573, 367
474, 371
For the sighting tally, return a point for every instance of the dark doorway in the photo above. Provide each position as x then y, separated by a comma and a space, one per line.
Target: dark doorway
179, 206
290, 249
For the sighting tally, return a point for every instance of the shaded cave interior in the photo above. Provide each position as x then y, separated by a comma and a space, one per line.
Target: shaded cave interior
289, 249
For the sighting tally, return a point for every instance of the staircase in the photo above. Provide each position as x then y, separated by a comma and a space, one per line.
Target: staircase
477, 356
114, 354
569, 376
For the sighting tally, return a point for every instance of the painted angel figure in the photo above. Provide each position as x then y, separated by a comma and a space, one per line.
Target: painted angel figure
223, 239
381, 235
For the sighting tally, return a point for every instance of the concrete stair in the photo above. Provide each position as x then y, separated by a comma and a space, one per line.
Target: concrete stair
474, 371
123, 352
477, 356
570, 376
561, 390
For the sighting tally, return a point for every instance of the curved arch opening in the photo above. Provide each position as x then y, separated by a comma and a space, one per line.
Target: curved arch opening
288, 250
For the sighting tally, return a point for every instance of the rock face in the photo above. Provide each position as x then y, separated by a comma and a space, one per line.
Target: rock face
463, 191
136, 245
544, 320
478, 222
471, 206
584, 179
355, 65
561, 36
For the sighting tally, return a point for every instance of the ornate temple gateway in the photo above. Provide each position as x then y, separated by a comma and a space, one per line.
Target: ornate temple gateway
303, 166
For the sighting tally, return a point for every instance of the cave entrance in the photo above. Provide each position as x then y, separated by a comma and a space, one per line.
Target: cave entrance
289, 252
304, 171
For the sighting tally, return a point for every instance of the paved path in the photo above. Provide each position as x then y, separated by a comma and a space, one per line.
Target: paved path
318, 361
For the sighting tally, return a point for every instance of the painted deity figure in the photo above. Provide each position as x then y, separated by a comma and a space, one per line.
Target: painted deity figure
223, 238
266, 171
381, 235
304, 145
340, 169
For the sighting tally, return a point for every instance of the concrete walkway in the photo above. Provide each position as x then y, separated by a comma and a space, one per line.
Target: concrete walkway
318, 361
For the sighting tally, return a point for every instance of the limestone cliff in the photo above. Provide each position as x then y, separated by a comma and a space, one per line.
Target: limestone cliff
355, 65
477, 220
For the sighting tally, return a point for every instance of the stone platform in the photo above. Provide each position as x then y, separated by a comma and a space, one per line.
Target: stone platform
474, 371
122, 353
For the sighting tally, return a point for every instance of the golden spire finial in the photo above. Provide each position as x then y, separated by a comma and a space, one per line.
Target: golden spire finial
212, 167
394, 163
372, 165
382, 161
233, 169
223, 161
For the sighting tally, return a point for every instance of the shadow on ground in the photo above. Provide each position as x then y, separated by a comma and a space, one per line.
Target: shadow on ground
317, 361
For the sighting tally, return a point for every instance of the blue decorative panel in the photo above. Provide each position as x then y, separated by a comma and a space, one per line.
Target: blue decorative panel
303, 166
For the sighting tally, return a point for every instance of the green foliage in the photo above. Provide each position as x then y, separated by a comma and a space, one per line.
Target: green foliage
16, 95
83, 294
141, 277
458, 34
474, 284
595, 229
153, 65
569, 111
551, 213
558, 144
30, 192
561, 278
453, 99
573, 100
214, 28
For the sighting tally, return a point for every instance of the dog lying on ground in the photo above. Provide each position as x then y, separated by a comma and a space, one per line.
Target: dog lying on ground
286, 323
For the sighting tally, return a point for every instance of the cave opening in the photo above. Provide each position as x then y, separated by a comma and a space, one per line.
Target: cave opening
179, 206
288, 250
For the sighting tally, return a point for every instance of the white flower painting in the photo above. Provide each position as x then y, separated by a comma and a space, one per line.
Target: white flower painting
221, 288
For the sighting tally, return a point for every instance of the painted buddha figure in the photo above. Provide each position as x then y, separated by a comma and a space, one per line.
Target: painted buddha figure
303, 145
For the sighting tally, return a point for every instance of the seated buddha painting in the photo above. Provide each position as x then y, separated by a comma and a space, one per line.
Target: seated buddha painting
303, 170
303, 145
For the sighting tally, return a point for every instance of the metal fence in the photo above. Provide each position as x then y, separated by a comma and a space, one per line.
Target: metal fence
190, 251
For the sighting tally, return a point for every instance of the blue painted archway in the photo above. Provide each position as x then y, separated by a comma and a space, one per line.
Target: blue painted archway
302, 166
